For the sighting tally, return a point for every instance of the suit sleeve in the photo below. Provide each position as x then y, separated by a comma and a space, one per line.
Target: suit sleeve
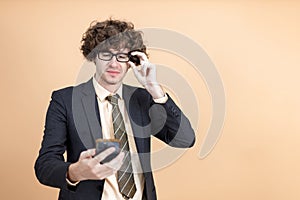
175, 128
50, 166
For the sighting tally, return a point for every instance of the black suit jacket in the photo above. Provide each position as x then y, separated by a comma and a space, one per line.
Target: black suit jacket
73, 124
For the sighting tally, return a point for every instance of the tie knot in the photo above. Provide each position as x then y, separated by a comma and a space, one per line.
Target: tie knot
113, 99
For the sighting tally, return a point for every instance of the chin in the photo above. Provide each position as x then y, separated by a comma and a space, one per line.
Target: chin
113, 82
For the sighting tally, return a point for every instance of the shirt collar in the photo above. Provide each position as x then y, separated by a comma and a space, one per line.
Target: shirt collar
102, 93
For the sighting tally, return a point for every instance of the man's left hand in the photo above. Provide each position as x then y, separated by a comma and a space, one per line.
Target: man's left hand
145, 73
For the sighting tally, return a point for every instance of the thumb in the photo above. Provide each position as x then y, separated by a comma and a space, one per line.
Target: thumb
134, 69
87, 154
132, 65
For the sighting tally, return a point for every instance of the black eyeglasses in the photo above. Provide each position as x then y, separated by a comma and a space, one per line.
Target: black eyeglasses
107, 56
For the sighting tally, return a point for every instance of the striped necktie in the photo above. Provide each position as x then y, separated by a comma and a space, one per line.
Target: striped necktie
125, 174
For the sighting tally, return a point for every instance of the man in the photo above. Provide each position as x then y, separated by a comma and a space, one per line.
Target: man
78, 116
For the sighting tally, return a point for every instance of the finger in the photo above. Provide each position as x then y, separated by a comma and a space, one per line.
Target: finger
117, 162
87, 154
135, 69
144, 62
141, 55
101, 156
134, 66
131, 64
144, 68
104, 171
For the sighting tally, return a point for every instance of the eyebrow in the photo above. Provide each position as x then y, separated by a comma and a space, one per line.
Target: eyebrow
119, 51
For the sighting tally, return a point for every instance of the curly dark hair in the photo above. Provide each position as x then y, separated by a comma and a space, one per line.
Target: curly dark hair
115, 34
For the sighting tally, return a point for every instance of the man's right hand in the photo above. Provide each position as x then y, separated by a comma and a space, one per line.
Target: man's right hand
89, 167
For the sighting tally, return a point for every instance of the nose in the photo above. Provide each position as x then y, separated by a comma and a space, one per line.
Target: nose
114, 62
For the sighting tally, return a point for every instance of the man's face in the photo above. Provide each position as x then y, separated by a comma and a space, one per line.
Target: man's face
112, 72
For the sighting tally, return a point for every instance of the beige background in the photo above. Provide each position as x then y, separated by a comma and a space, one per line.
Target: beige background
255, 47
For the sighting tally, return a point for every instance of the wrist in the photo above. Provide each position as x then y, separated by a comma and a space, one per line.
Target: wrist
72, 176
155, 90
162, 100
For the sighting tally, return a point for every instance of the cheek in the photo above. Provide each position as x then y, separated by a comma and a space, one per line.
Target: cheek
99, 69
100, 66
125, 67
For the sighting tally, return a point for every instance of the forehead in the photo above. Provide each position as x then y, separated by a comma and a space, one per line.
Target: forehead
122, 50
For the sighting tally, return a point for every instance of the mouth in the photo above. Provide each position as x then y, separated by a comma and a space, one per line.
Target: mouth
113, 72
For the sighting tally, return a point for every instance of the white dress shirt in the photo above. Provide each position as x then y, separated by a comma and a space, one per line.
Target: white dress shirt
111, 189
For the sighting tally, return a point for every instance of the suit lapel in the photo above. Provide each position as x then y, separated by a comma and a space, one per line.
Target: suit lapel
85, 114
128, 96
140, 131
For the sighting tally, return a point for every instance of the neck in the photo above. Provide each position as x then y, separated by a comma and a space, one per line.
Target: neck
111, 88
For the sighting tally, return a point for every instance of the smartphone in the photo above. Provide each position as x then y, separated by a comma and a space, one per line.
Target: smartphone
134, 59
103, 144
